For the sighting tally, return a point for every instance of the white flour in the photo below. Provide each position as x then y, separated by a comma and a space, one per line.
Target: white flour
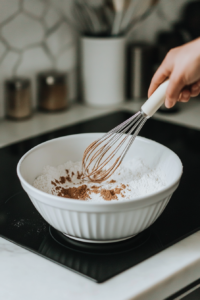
136, 179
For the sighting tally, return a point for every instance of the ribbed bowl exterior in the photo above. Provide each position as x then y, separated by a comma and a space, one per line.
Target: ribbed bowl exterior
105, 221
101, 225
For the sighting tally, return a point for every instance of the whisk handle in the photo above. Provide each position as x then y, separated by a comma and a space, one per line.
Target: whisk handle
155, 100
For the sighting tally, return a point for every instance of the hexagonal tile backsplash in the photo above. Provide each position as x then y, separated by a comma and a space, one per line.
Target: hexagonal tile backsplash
35, 36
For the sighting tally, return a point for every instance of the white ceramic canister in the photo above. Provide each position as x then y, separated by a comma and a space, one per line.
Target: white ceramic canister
103, 71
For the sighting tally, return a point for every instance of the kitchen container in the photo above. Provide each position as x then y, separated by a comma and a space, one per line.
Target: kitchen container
140, 69
52, 91
98, 222
103, 70
18, 98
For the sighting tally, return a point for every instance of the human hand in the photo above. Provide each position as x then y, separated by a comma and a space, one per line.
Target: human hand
182, 66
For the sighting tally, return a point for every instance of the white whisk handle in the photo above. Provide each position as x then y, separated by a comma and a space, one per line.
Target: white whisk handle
155, 100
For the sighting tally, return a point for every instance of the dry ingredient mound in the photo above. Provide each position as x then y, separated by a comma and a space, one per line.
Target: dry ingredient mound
132, 179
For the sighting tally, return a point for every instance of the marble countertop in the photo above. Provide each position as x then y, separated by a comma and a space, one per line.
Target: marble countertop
12, 131
25, 275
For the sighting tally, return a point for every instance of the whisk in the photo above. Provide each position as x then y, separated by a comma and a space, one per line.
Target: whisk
115, 144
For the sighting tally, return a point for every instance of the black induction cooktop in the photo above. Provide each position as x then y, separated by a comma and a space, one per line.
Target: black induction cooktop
22, 224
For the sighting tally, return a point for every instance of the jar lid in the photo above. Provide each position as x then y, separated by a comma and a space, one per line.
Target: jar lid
51, 78
17, 83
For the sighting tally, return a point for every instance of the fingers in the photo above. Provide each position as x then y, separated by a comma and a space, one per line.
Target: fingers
195, 89
190, 91
176, 84
185, 95
158, 78
181, 73
161, 75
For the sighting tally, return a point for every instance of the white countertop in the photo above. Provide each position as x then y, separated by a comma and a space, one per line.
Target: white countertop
25, 275
12, 131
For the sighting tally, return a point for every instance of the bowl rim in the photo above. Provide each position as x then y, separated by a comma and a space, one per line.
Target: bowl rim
78, 201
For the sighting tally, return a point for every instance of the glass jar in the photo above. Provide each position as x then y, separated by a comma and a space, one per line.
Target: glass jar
52, 91
18, 98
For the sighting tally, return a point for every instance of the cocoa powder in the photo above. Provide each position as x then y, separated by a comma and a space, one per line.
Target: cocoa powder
81, 192
79, 175
62, 179
112, 181
109, 195
68, 178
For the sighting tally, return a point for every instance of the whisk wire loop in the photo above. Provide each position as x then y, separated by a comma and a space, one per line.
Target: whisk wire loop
97, 156
133, 138
114, 137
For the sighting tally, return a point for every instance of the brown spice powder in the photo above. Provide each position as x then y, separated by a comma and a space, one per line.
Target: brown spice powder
62, 179
108, 195
68, 178
83, 192
95, 187
79, 175
112, 181
80, 192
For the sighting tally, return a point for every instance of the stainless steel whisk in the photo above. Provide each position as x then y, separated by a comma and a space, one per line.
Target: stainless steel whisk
115, 144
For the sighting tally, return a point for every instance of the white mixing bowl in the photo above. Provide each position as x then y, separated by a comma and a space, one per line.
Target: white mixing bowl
98, 222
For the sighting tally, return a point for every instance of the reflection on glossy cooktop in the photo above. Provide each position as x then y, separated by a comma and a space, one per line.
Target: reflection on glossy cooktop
23, 225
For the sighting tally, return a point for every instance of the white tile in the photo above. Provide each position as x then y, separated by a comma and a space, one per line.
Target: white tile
172, 9
34, 61
8, 8
59, 39
148, 29
162, 18
6, 71
51, 17
2, 102
72, 85
23, 31
8, 63
64, 6
68, 59
35, 7
2, 49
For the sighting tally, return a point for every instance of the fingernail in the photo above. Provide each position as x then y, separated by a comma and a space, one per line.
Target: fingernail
186, 94
183, 100
169, 104
195, 87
